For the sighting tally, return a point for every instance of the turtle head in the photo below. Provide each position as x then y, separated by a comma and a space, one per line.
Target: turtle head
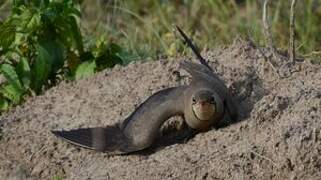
204, 105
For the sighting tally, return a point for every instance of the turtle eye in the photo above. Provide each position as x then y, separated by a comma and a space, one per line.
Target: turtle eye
212, 100
194, 101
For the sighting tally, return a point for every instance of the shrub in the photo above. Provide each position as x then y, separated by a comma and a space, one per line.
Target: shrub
41, 43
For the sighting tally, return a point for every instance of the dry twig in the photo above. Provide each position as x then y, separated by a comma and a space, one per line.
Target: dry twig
267, 29
292, 33
266, 25
251, 149
268, 36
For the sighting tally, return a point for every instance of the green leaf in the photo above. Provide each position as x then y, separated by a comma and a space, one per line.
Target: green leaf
11, 76
18, 3
22, 19
107, 56
4, 105
23, 71
85, 69
75, 12
108, 61
40, 69
56, 55
34, 22
76, 34
7, 35
11, 93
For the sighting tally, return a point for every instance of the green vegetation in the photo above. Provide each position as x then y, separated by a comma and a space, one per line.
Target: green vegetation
45, 41
41, 43
146, 27
58, 177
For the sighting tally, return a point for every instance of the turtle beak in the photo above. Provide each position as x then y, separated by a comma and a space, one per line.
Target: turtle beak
202, 103
204, 110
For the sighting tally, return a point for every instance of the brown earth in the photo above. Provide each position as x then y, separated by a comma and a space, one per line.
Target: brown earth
278, 136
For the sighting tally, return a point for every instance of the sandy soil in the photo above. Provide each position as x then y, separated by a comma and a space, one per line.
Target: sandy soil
278, 136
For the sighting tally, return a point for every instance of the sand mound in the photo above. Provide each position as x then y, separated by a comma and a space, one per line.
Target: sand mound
279, 135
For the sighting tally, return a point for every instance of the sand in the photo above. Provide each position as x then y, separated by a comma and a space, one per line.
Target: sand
277, 137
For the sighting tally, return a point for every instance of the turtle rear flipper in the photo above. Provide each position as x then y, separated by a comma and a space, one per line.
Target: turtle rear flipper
109, 139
